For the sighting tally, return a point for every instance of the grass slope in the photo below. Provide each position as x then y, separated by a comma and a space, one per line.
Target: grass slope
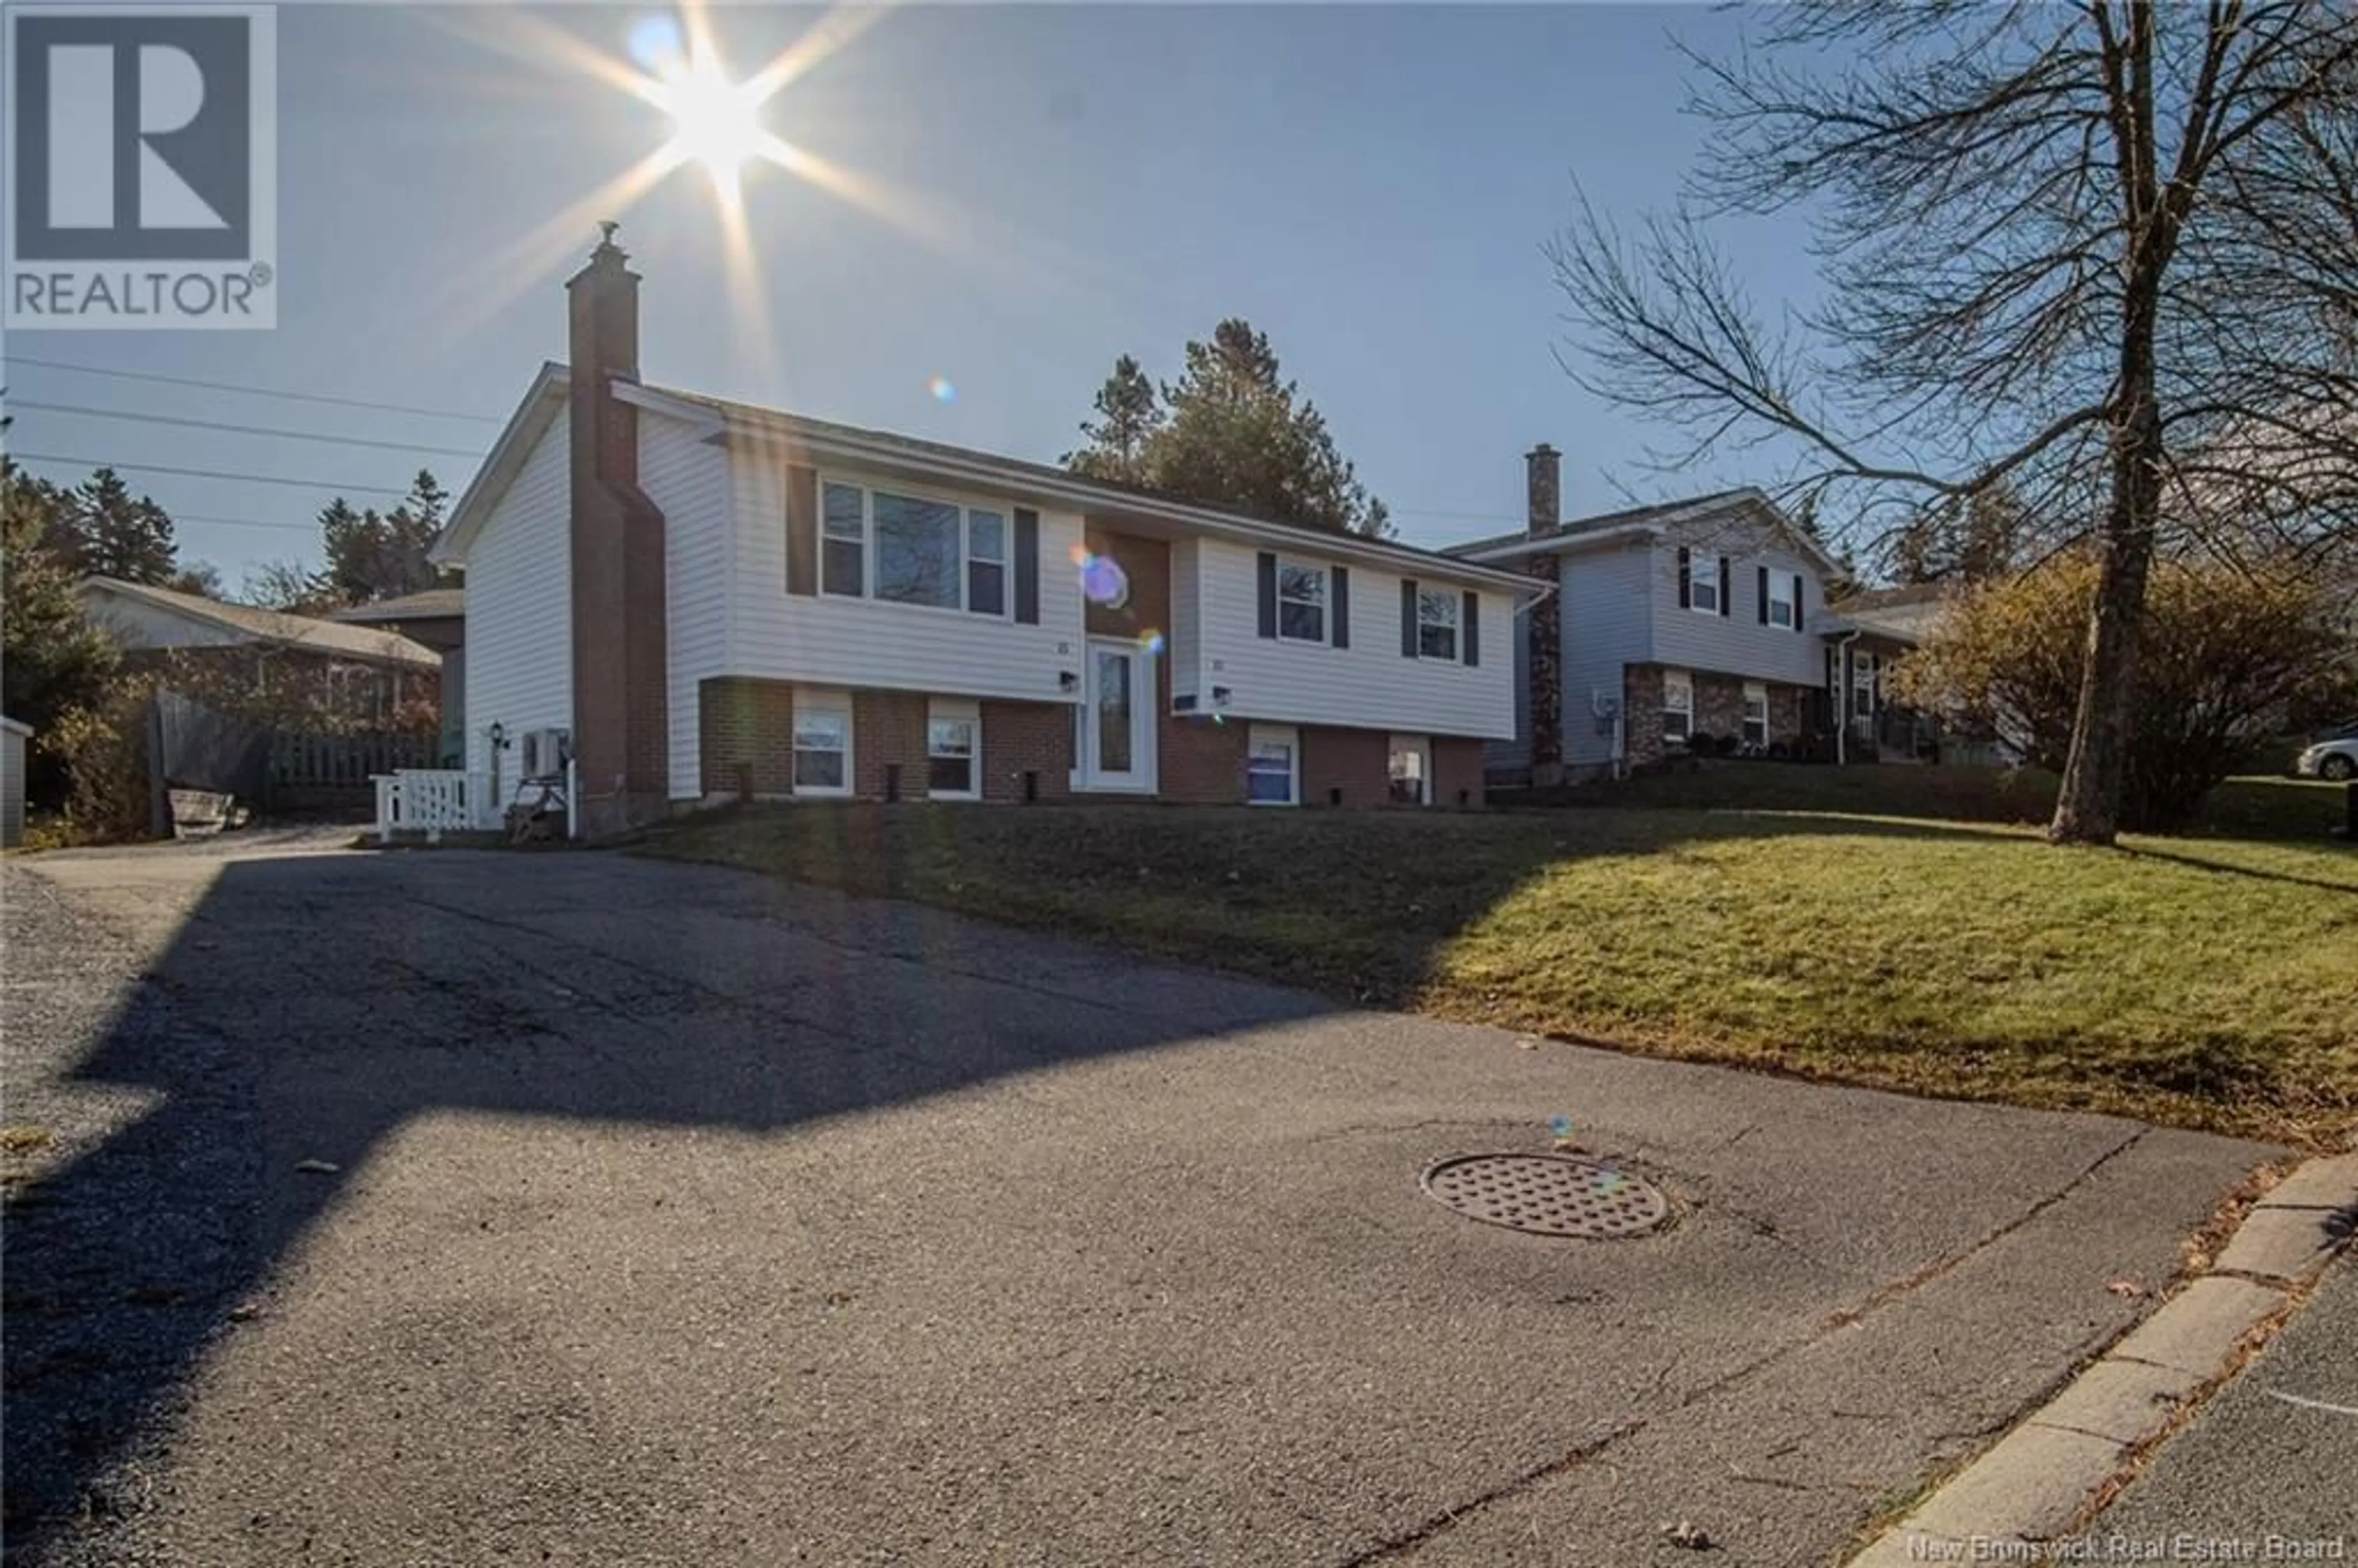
1828, 927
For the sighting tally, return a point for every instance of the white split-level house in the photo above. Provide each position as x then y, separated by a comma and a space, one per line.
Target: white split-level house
693, 600
1692, 625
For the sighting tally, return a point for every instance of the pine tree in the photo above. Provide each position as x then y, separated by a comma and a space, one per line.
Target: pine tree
1129, 414
1229, 432
116, 534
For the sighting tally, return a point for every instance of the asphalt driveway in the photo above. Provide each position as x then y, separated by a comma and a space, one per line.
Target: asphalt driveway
678, 1216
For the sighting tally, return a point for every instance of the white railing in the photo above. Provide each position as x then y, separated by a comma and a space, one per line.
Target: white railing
433, 800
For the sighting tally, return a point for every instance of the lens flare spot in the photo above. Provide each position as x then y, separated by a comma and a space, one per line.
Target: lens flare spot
655, 43
1152, 640
1102, 579
1560, 1125
943, 389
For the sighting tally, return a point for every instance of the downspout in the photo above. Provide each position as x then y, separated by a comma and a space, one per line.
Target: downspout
1841, 699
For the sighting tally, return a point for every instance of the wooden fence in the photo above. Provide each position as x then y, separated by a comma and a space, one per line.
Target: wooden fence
299, 762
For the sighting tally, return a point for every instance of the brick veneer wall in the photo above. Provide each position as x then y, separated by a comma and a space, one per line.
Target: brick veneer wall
746, 744
1457, 770
1026, 736
745, 737
1200, 760
1345, 767
744, 732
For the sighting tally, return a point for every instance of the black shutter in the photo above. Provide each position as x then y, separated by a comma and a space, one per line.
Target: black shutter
1764, 595
1686, 590
802, 530
1726, 581
1342, 607
1797, 601
1027, 566
1471, 631
1268, 566
1407, 617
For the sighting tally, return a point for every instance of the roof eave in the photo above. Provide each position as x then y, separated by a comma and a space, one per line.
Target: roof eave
760, 424
532, 415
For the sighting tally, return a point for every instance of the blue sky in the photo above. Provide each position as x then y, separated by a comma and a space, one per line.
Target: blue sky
1368, 184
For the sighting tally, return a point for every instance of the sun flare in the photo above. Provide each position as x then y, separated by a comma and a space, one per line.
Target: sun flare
716, 122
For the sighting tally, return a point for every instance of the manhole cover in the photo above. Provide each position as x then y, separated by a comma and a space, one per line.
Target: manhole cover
1548, 1195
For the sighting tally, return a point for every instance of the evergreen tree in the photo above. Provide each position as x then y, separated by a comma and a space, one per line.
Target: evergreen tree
51, 657
1129, 414
116, 534
1229, 432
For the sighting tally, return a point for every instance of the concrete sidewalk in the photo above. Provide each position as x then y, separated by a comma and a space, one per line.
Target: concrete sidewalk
454, 1206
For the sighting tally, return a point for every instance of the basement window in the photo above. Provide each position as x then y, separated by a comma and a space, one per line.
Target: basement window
822, 745
1756, 713
1272, 766
1678, 705
953, 750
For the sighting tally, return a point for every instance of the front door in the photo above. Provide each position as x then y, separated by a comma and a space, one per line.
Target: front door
1115, 746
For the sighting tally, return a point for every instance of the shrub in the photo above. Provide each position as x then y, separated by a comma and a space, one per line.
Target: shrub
103, 748
2227, 653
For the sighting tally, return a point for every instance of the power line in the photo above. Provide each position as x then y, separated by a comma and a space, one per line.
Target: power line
179, 517
257, 391
330, 486
242, 429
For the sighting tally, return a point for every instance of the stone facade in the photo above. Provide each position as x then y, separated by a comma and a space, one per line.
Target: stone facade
1543, 621
1718, 711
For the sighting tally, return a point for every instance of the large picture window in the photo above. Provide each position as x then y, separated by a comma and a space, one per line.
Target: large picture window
912, 549
1678, 705
1301, 603
919, 550
822, 746
1437, 623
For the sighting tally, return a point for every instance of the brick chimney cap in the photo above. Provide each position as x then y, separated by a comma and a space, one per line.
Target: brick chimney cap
1544, 450
607, 251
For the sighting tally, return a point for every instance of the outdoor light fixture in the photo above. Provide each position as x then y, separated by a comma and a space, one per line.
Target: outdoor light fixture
1069, 680
499, 735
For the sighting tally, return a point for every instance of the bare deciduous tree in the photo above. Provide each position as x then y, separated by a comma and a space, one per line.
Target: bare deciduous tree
2102, 254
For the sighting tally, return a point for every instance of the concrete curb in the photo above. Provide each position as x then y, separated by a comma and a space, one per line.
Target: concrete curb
2034, 1483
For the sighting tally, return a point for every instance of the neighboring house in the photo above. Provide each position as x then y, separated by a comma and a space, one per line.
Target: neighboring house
1665, 624
13, 737
437, 618
712, 600
356, 672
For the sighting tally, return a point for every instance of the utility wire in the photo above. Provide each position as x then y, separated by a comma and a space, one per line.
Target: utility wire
323, 485
256, 390
242, 429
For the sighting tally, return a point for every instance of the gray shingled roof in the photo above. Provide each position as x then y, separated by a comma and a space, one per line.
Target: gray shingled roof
275, 626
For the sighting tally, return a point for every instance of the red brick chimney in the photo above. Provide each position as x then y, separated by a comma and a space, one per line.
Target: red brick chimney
619, 742
1543, 627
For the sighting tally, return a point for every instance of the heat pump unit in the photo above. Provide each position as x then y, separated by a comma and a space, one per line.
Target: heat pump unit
544, 753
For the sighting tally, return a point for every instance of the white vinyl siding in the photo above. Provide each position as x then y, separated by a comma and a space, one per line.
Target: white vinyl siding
841, 642
520, 613
1368, 685
1186, 646
688, 478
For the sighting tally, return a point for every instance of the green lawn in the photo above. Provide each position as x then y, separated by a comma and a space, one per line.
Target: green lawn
1830, 927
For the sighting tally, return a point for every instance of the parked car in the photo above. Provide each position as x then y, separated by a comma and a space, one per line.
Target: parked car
2334, 756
